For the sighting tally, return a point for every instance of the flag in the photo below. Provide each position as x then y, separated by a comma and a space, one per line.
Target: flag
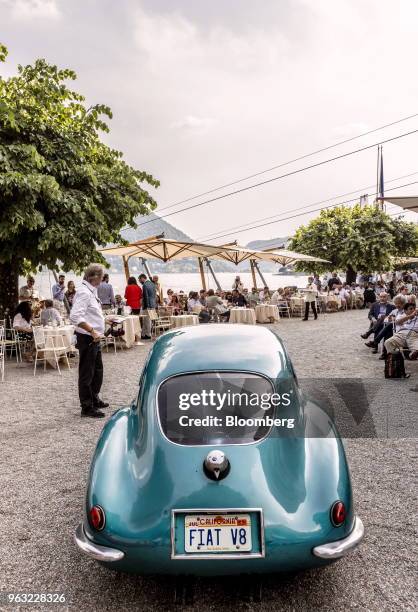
381, 178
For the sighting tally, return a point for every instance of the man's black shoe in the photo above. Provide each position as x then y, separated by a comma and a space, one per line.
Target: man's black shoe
101, 404
370, 344
382, 357
93, 414
304, 319
145, 337
365, 336
375, 350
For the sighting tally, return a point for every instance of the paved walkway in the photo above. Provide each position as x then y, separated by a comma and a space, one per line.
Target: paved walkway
46, 449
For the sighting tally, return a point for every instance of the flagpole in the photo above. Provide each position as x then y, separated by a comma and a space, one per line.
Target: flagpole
382, 180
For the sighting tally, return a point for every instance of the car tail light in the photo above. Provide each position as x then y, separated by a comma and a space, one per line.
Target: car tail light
338, 513
97, 518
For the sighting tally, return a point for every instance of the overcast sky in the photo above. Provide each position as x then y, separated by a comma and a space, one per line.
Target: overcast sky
204, 93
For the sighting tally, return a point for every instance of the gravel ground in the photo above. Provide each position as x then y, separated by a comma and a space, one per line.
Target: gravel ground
46, 450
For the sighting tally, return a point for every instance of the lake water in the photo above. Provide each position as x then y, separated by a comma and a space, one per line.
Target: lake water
186, 281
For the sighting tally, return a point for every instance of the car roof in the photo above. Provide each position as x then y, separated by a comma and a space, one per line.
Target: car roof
217, 347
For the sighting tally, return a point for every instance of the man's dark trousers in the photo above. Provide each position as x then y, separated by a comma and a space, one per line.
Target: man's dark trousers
313, 306
90, 371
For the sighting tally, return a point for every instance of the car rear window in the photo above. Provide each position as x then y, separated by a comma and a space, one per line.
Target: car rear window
216, 408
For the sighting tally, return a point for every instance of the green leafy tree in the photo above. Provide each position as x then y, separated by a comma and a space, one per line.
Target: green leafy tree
355, 239
63, 192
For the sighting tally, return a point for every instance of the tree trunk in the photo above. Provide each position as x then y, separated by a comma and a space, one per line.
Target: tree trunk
351, 275
9, 280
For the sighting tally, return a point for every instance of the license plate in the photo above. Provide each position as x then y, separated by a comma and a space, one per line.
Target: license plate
217, 533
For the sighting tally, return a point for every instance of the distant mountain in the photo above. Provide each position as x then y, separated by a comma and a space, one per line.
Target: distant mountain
152, 225
262, 245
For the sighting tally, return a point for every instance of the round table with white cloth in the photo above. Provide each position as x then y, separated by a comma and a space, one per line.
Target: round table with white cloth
267, 313
242, 315
297, 301
184, 320
58, 337
331, 299
131, 326
66, 332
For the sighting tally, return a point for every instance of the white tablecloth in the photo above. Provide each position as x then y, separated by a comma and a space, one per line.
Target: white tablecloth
184, 320
267, 313
331, 298
297, 300
58, 337
131, 326
66, 332
242, 315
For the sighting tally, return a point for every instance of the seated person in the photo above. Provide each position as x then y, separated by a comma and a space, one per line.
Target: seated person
50, 314
277, 297
194, 301
202, 297
182, 299
238, 299
406, 335
22, 320
358, 295
377, 314
287, 293
23, 326
369, 295
215, 302
170, 294
342, 294
174, 304
119, 304
253, 298
265, 294
389, 327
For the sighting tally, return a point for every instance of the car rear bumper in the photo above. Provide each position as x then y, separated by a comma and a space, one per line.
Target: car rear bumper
339, 548
96, 551
327, 552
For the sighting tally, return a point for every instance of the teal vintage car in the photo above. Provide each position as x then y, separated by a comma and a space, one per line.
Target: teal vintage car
220, 466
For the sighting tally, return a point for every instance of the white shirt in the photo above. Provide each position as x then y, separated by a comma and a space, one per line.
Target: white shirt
191, 303
275, 298
411, 324
87, 309
311, 293
21, 323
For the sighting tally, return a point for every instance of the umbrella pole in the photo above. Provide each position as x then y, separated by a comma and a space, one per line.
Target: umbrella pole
145, 264
263, 280
252, 262
202, 273
209, 265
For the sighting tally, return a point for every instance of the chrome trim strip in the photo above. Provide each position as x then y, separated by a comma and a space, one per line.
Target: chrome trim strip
216, 556
273, 384
95, 551
337, 549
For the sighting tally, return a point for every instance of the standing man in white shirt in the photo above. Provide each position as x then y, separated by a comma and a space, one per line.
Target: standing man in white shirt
87, 316
311, 293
